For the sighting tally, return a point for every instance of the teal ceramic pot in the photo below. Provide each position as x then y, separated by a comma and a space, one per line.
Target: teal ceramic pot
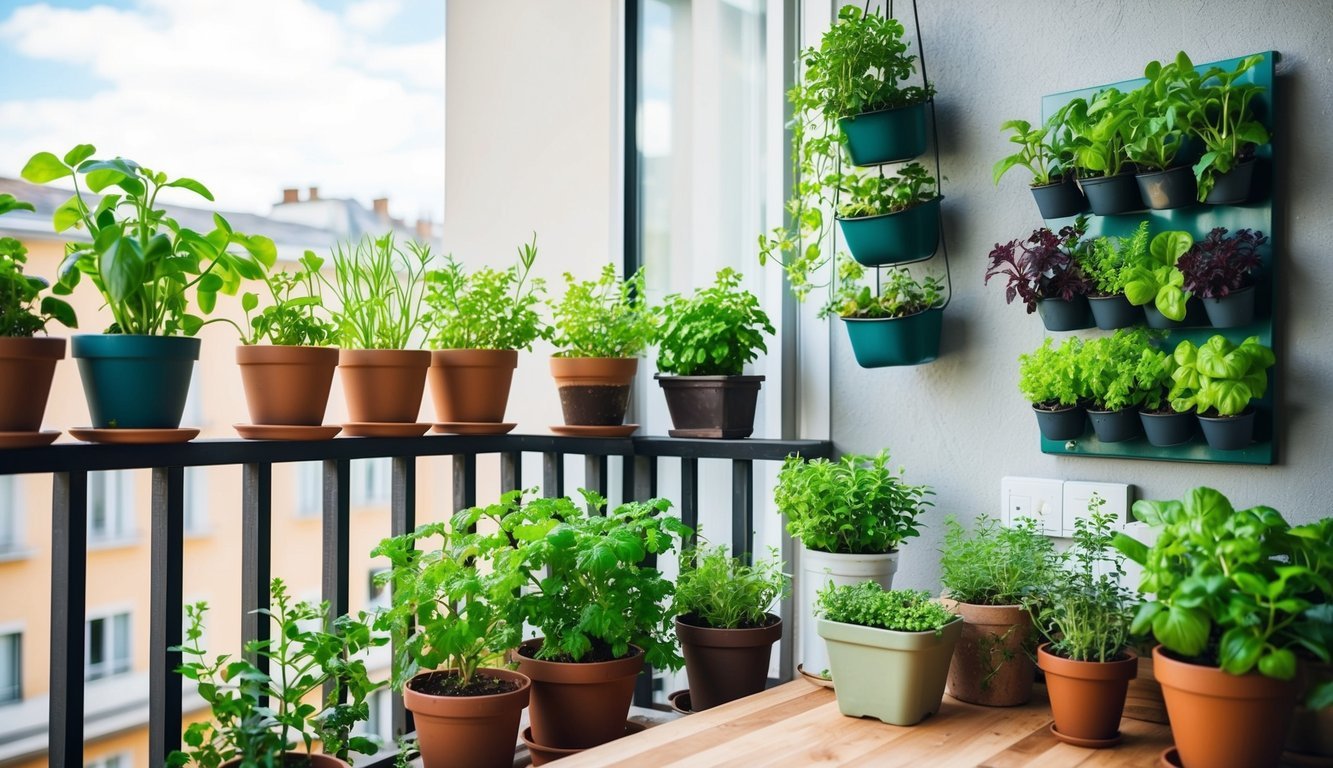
887, 135
908, 235
135, 382
885, 342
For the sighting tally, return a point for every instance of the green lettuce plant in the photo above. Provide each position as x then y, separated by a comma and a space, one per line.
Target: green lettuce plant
1051, 377
997, 564
1110, 366
1154, 379
1100, 129
1156, 278
870, 605
1108, 260
379, 286
606, 317
1220, 113
722, 592
715, 332
1087, 612
1220, 377
295, 316
19, 292
899, 294
487, 308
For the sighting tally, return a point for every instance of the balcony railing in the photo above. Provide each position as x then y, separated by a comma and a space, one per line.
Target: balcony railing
70, 465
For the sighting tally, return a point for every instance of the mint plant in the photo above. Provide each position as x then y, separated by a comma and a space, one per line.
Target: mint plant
294, 318
487, 308
899, 294
606, 317
1087, 612
1047, 265
715, 332
1110, 366
1219, 265
20, 313
379, 286
1108, 260
1052, 377
870, 605
721, 592
997, 564
1156, 279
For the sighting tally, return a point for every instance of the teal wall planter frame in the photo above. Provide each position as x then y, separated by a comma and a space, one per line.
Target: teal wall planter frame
1258, 214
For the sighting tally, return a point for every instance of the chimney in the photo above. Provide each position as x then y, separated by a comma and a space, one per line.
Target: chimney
381, 207
291, 195
424, 229
314, 193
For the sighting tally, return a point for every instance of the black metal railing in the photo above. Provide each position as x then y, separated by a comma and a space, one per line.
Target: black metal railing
70, 465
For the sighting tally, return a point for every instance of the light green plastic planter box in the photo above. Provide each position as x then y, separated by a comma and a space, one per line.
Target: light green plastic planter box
896, 677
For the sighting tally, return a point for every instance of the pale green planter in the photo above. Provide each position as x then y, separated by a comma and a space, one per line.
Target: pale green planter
896, 677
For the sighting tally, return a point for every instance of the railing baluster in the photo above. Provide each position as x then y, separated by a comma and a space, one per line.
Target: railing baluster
69, 574
336, 565
742, 509
256, 555
787, 607
465, 481
511, 471
167, 550
689, 497
594, 477
553, 475
402, 520
640, 484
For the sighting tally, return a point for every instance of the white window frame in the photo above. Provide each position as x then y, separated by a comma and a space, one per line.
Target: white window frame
11, 522
308, 489
14, 631
372, 481
117, 494
116, 760
195, 521
112, 664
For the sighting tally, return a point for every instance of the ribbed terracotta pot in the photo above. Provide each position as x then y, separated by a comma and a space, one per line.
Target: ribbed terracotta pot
594, 391
1221, 720
471, 385
1087, 697
991, 665
300, 760
726, 664
383, 385
287, 385
469, 731
27, 366
578, 705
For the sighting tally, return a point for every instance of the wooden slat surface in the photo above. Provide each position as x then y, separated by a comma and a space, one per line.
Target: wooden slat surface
797, 724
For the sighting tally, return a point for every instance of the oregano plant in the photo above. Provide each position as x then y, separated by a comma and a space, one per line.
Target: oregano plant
606, 317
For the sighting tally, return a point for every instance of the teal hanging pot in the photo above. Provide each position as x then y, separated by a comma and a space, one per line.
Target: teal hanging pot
135, 382
883, 342
912, 234
886, 135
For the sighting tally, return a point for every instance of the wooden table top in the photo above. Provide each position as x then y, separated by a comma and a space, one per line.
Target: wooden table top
798, 724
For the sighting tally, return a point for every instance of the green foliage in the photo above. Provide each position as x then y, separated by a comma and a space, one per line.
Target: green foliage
19, 292
722, 592
488, 308
1220, 114
855, 505
1047, 152
1220, 376
1156, 278
1153, 377
142, 261
292, 318
1237, 589
997, 564
1110, 366
606, 317
1100, 128
379, 288
1087, 612
1158, 123
1051, 377
877, 194
870, 605
260, 718
899, 295
1107, 263
715, 332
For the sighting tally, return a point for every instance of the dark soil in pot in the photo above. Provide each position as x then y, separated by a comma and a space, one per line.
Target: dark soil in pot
472, 727
725, 664
299, 760
594, 391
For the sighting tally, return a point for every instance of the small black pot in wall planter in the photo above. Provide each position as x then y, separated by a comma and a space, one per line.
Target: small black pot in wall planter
1112, 312
1115, 426
1228, 433
711, 406
1232, 187
1061, 315
1231, 311
1110, 195
1172, 188
1168, 428
1061, 199
1061, 424
886, 135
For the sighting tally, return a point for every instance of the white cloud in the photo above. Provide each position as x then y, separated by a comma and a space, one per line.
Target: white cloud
247, 96
371, 15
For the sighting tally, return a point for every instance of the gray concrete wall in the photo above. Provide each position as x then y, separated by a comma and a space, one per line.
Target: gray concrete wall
960, 423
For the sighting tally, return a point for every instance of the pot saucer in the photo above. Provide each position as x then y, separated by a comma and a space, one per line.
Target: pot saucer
1170, 758
133, 436
1087, 743
680, 701
385, 428
578, 430
286, 432
28, 439
475, 427
813, 679
541, 754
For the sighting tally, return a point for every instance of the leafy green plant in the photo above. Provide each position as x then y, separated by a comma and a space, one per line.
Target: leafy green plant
606, 317
1046, 151
262, 718
997, 564
19, 292
875, 195
855, 505
488, 308
1220, 112
1047, 265
292, 318
870, 605
715, 332
379, 287
899, 294
1051, 377
1110, 367
1239, 589
142, 261
1087, 613
1100, 129
1157, 279
1160, 121
1154, 379
1108, 260
722, 592
1220, 377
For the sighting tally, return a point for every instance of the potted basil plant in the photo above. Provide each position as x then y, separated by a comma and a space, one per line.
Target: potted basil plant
1221, 270
1045, 271
1220, 380
1155, 283
1047, 153
1106, 263
1052, 379
1100, 130
890, 219
900, 324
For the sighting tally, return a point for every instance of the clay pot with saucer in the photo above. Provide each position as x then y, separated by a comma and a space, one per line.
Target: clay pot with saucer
541, 755
27, 366
470, 389
383, 389
287, 390
1087, 697
578, 705
594, 394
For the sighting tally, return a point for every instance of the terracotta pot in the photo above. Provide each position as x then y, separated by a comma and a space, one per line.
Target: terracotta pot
383, 385
469, 731
1087, 697
1312, 729
471, 385
991, 666
726, 664
285, 385
578, 705
27, 366
541, 755
594, 391
300, 760
1221, 720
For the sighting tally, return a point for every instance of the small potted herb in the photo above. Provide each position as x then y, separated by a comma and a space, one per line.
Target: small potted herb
1045, 271
1221, 270
1110, 366
724, 624
1158, 132
703, 344
379, 288
1106, 263
1047, 152
1221, 380
1085, 619
601, 327
1155, 379
287, 379
1221, 115
1052, 380
1230, 595
1100, 130
480, 320
889, 650
268, 718
900, 324
27, 361
890, 219
1156, 284
851, 516
994, 578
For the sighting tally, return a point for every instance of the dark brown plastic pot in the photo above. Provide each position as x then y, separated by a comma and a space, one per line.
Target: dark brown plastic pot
578, 705
726, 664
383, 385
27, 366
1087, 697
471, 385
286, 385
1221, 720
469, 731
594, 391
711, 406
541, 754
991, 665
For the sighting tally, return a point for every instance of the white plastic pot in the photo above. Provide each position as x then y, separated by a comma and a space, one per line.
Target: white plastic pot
822, 568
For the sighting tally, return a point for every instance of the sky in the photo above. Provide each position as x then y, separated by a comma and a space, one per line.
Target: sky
246, 96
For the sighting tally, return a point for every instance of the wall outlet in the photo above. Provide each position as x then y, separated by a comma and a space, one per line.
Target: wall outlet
1078, 493
1033, 497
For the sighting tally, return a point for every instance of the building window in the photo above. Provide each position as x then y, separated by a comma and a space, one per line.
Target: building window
11, 667
11, 540
120, 760
108, 642
371, 481
196, 500
110, 506
309, 489
378, 594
